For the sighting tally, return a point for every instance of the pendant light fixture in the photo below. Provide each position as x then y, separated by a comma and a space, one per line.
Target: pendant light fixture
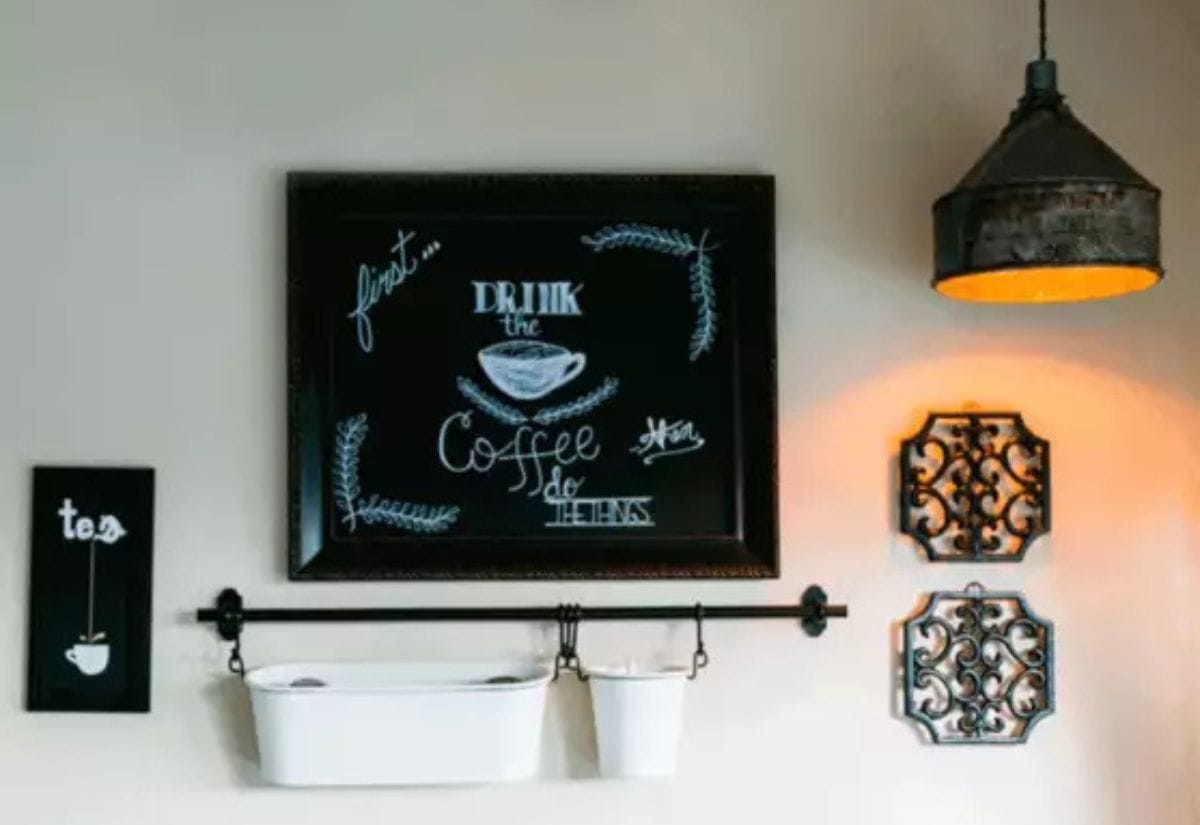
1049, 213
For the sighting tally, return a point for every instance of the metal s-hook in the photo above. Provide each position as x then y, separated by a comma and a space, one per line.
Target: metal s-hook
700, 655
237, 665
569, 616
561, 658
576, 616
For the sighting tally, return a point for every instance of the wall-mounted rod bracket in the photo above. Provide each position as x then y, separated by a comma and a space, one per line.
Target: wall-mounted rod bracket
229, 620
817, 611
230, 617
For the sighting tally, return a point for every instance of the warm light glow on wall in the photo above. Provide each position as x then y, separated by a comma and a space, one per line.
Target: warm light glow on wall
1048, 284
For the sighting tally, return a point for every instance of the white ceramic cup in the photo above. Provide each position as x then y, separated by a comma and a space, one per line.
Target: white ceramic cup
526, 369
639, 719
91, 659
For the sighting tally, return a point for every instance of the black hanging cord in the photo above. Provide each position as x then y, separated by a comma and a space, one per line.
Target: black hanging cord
1041, 29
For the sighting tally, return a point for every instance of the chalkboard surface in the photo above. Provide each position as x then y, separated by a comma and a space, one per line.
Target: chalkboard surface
531, 376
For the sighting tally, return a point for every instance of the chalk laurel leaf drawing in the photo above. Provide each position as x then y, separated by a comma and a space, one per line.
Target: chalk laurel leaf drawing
347, 442
580, 406
348, 439
704, 296
494, 407
680, 245
641, 236
417, 518
506, 414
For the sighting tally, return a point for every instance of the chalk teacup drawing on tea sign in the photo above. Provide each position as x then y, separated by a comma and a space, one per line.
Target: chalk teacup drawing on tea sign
91, 657
91, 653
527, 369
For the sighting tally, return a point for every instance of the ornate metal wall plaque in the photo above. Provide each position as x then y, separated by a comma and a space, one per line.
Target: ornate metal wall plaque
978, 668
975, 487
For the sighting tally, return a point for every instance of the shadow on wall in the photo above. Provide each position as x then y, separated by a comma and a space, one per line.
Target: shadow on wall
228, 702
896, 669
569, 739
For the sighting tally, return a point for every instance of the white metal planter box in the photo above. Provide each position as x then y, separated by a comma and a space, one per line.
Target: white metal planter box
398, 724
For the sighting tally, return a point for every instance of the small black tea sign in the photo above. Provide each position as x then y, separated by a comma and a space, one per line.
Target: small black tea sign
90, 589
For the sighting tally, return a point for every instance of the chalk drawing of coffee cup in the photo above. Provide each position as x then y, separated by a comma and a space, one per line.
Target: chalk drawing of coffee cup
90, 658
526, 369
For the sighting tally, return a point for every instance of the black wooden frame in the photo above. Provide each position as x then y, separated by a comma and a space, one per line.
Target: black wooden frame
40, 694
753, 552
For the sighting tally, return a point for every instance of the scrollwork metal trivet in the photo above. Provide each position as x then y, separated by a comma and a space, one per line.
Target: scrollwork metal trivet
975, 487
978, 668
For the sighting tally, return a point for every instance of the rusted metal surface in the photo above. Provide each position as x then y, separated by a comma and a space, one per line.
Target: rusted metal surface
1047, 224
1048, 192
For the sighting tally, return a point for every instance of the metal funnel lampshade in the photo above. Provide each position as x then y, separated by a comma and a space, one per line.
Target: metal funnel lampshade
1049, 213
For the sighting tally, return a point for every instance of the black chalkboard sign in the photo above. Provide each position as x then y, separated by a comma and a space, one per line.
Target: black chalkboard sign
90, 589
525, 376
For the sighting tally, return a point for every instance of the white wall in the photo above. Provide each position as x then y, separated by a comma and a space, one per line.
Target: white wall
141, 321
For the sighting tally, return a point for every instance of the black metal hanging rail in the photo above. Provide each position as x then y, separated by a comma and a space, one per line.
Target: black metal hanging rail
812, 611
